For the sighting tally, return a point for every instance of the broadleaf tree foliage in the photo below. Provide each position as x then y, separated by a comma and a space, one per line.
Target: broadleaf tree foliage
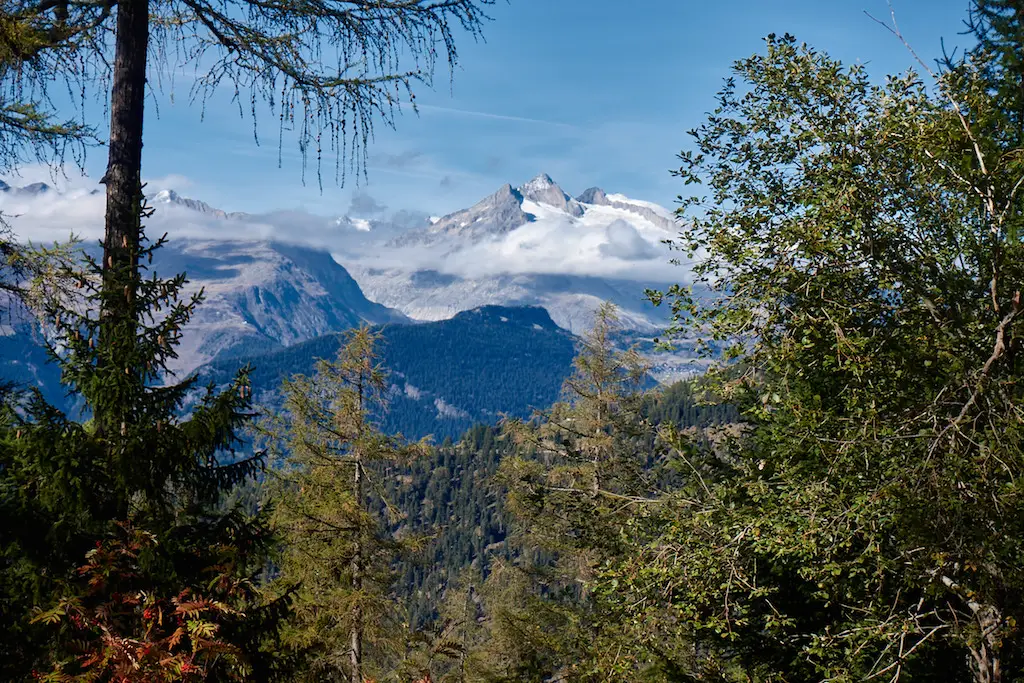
864, 240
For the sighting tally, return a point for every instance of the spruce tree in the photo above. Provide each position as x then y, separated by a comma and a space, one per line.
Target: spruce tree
116, 558
584, 459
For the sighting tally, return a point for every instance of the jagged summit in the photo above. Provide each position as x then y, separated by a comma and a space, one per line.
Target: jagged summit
540, 182
33, 189
36, 188
498, 214
170, 197
543, 190
594, 195
166, 196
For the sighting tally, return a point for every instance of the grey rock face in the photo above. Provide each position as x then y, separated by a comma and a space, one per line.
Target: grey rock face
263, 295
35, 189
544, 190
171, 197
498, 214
594, 195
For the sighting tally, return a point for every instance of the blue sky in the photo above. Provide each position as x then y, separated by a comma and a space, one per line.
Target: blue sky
593, 92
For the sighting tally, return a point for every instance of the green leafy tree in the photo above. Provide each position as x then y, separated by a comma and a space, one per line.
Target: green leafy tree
112, 536
327, 492
864, 243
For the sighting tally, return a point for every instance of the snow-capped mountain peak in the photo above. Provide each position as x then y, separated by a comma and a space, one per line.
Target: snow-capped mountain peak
166, 197
543, 190
649, 211
169, 197
539, 183
497, 214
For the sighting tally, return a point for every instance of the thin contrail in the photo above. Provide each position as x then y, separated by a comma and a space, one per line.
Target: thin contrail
488, 115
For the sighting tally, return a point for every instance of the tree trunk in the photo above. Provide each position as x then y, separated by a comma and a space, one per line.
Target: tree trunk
123, 179
124, 163
357, 578
986, 665
985, 659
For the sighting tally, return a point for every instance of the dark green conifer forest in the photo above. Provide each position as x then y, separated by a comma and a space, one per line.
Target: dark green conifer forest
839, 498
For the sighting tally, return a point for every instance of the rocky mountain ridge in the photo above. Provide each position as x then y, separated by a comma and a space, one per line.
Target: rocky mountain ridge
530, 245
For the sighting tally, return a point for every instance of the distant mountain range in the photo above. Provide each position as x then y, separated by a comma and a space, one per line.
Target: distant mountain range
528, 245
506, 249
263, 296
444, 376
277, 279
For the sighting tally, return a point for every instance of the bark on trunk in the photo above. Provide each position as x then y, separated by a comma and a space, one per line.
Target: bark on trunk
357, 579
124, 161
985, 659
123, 179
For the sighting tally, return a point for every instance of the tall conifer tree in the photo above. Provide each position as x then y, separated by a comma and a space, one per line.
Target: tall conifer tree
326, 503
116, 558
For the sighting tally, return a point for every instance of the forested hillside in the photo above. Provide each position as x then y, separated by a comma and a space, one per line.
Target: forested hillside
445, 375
452, 498
839, 497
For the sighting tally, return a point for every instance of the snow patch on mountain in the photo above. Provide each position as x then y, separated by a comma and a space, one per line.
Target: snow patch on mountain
167, 198
543, 190
655, 208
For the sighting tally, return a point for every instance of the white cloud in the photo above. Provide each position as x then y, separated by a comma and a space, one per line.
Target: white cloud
62, 179
603, 243
622, 240
79, 209
50, 217
173, 181
552, 245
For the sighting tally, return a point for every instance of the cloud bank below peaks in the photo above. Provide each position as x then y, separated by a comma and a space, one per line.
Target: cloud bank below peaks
533, 229
539, 229
78, 206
